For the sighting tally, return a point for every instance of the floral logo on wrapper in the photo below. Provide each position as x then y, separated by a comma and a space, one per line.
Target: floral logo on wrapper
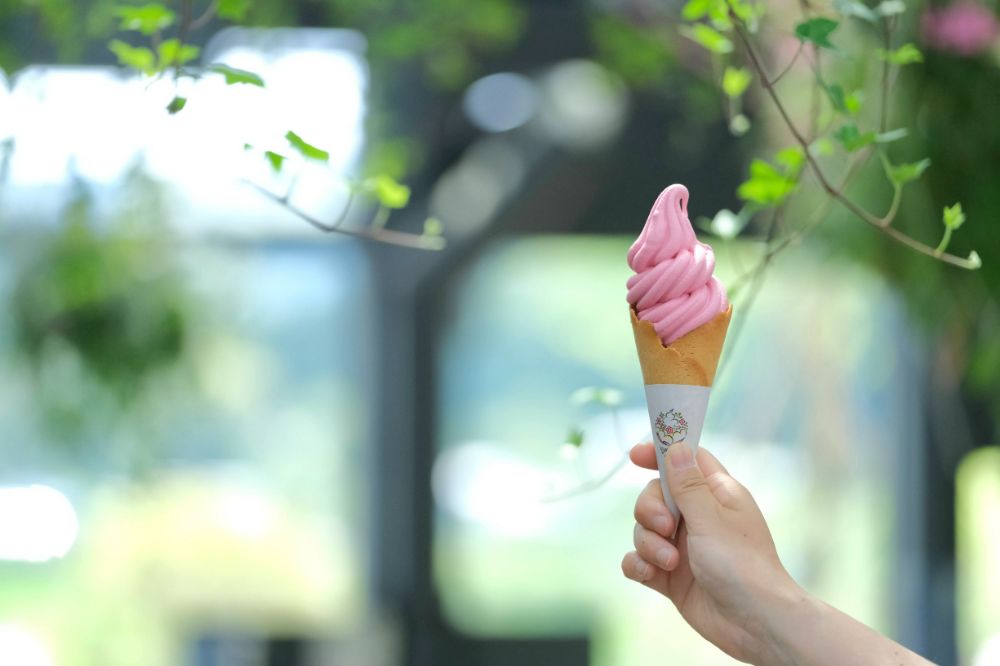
670, 427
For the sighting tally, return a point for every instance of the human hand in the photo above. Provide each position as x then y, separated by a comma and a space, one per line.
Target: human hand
721, 568
722, 572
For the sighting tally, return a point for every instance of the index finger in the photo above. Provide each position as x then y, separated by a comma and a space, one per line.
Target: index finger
643, 455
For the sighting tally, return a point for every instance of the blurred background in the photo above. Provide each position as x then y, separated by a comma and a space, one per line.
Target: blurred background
230, 439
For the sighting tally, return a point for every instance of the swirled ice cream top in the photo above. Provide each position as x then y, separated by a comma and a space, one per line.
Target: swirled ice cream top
673, 287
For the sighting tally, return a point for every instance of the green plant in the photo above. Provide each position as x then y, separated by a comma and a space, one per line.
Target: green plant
98, 307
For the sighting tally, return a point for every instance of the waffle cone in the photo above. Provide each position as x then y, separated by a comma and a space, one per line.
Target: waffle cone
691, 359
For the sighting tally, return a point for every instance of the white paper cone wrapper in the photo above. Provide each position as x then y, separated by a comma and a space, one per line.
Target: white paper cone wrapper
676, 413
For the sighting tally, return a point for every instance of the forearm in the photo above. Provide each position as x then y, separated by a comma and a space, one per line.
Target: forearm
798, 629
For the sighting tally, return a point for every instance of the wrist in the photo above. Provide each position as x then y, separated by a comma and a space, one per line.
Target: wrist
783, 613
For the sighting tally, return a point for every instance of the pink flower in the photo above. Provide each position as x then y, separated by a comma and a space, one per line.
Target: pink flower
965, 28
670, 431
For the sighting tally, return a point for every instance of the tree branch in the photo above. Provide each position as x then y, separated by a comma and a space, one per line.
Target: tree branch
879, 223
381, 235
818, 216
791, 62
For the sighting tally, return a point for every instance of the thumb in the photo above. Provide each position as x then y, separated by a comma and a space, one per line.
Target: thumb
688, 487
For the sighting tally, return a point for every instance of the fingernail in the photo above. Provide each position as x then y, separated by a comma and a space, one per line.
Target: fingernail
644, 571
663, 557
681, 456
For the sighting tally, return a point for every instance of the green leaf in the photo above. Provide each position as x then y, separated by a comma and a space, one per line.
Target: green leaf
837, 98
305, 148
745, 11
953, 217
900, 174
892, 135
711, 39
433, 227
735, 81
635, 53
173, 52
136, 57
234, 76
856, 9
847, 103
275, 159
792, 158
147, 19
766, 186
718, 16
888, 8
696, 9
388, 191
176, 104
852, 102
852, 139
574, 437
817, 31
233, 10
907, 54
717, 11
822, 146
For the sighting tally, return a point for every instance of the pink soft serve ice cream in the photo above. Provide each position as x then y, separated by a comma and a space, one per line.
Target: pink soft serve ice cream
673, 287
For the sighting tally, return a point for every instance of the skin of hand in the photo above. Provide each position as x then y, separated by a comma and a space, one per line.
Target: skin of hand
722, 572
720, 563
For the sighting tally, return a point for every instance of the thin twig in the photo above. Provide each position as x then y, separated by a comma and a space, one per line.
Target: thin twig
791, 62
592, 484
818, 216
587, 486
878, 223
207, 16
388, 236
815, 100
617, 423
182, 33
816, 93
755, 286
884, 109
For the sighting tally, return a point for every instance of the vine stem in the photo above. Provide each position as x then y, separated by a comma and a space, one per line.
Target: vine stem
887, 41
206, 16
818, 216
882, 224
756, 283
587, 486
388, 236
790, 64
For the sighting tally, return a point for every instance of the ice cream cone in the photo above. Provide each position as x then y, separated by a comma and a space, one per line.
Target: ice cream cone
678, 378
691, 359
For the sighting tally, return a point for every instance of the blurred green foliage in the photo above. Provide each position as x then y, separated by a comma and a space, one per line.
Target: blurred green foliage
447, 38
642, 54
100, 292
